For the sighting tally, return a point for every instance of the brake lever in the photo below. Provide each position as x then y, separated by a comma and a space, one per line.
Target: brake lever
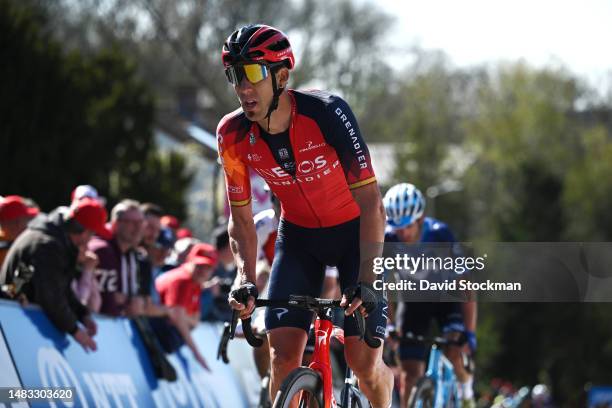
233, 324
225, 338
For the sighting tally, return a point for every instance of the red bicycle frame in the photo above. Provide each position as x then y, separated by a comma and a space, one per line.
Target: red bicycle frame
324, 330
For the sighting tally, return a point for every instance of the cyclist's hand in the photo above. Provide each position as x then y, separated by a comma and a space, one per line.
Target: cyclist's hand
243, 299
471, 343
362, 296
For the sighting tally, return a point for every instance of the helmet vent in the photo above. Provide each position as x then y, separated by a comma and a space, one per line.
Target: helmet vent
279, 45
262, 38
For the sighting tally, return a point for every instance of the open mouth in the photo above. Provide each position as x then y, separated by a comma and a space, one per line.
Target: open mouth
249, 104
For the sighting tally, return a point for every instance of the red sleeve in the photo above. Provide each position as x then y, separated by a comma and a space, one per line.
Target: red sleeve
177, 294
237, 180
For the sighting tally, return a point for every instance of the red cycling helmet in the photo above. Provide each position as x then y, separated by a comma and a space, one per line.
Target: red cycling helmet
257, 42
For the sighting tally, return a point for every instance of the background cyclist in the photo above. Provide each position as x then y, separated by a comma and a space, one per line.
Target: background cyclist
406, 222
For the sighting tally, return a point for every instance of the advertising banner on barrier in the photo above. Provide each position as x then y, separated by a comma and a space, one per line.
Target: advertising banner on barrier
119, 373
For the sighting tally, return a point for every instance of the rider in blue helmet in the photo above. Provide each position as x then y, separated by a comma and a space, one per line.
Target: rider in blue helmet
407, 223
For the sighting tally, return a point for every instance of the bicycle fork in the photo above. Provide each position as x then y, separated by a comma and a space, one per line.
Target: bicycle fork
440, 369
320, 359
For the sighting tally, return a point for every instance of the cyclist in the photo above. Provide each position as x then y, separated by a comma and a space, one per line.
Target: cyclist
406, 222
307, 147
266, 226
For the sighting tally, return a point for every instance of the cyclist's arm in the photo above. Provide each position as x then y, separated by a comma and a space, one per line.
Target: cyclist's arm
470, 315
243, 241
372, 227
241, 229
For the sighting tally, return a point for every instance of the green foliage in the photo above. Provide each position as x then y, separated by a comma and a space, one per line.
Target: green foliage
588, 190
68, 119
178, 43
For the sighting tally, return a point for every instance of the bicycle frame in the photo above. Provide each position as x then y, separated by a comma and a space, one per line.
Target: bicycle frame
324, 330
441, 371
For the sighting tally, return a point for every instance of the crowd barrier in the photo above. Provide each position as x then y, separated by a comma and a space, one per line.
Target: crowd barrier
34, 354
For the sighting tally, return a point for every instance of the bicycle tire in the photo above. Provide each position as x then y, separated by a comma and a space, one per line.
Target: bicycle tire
264, 393
423, 394
359, 400
301, 379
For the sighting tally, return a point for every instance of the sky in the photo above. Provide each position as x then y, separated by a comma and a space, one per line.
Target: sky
575, 33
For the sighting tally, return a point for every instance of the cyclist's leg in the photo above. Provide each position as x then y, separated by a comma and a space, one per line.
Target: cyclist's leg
412, 317
375, 378
451, 320
294, 272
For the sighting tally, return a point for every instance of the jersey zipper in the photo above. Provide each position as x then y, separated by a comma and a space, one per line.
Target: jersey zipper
295, 154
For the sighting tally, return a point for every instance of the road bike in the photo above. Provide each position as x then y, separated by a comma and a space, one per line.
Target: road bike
311, 386
439, 386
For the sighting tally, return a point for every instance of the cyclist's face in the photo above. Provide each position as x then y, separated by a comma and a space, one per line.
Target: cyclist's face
411, 233
255, 99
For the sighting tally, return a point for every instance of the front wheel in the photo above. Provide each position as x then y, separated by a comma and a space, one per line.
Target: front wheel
423, 394
303, 384
356, 398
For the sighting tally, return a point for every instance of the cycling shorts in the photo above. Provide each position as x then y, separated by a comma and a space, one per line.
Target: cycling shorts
300, 257
416, 318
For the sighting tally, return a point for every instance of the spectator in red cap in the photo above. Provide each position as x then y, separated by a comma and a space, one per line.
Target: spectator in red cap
15, 215
170, 221
180, 289
43, 262
183, 233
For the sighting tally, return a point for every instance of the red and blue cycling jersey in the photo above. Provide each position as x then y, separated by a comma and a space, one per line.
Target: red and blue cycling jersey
331, 158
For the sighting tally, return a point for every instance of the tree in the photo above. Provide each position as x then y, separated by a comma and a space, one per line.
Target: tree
68, 119
523, 139
178, 43
588, 191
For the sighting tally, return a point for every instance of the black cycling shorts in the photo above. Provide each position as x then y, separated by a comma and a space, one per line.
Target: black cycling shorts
416, 317
300, 257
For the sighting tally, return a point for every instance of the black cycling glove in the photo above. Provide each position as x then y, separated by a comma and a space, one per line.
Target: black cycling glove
243, 293
366, 292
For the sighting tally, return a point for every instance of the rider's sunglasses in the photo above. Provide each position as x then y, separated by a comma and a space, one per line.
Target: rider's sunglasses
254, 73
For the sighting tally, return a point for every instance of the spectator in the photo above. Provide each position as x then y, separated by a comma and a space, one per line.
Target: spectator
184, 233
152, 224
170, 221
180, 288
226, 258
15, 215
42, 263
181, 251
158, 255
119, 262
86, 191
161, 250
224, 275
85, 286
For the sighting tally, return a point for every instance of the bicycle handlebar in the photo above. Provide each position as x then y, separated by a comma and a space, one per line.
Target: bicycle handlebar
316, 305
439, 341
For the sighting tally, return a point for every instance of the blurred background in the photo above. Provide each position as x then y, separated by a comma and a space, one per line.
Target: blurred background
500, 111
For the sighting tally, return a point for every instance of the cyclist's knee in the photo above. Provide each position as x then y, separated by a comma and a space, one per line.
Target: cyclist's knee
365, 363
453, 353
412, 370
286, 347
